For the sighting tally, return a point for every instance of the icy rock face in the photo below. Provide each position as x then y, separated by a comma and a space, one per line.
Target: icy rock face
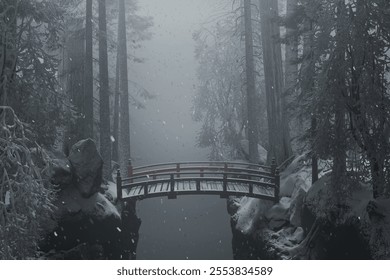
87, 167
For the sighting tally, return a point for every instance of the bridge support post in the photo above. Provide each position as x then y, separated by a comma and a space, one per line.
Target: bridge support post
146, 191
118, 185
178, 170
250, 188
277, 185
172, 194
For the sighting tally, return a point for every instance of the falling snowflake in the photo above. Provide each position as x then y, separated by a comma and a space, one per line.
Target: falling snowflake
118, 229
112, 139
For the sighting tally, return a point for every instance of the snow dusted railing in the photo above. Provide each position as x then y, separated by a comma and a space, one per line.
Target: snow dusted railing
255, 177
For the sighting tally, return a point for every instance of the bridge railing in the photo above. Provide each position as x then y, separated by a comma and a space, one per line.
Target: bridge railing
235, 172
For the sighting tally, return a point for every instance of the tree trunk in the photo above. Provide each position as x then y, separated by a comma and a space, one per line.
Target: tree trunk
124, 90
8, 49
88, 73
307, 88
339, 150
279, 142
291, 69
105, 139
115, 145
314, 159
378, 175
74, 82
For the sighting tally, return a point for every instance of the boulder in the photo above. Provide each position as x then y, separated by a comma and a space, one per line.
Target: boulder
87, 165
61, 173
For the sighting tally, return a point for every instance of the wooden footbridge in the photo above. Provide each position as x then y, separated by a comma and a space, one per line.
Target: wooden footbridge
190, 178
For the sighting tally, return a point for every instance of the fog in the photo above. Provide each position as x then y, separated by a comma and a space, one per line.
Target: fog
195, 227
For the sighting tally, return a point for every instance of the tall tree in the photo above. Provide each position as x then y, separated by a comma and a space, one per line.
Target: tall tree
88, 73
123, 88
279, 142
291, 69
115, 130
105, 133
250, 84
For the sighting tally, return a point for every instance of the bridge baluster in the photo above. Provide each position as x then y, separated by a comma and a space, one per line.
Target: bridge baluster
178, 170
172, 183
146, 191
118, 185
172, 194
224, 182
250, 188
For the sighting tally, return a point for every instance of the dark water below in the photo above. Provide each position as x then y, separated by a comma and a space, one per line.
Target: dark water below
189, 227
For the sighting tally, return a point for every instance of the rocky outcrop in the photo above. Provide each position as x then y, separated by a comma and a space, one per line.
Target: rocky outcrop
92, 221
338, 230
89, 224
87, 165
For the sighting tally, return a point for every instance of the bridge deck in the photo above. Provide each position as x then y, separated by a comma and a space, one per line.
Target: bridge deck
217, 178
190, 187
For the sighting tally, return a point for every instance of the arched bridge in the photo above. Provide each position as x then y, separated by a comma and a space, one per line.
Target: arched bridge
189, 178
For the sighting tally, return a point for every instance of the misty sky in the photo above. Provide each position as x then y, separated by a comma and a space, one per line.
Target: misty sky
164, 131
193, 227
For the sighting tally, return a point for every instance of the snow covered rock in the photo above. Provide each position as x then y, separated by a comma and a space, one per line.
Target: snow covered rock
250, 213
278, 215
94, 221
296, 206
87, 167
296, 176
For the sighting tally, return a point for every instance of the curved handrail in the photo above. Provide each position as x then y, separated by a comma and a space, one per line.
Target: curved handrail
199, 170
154, 176
210, 163
285, 163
